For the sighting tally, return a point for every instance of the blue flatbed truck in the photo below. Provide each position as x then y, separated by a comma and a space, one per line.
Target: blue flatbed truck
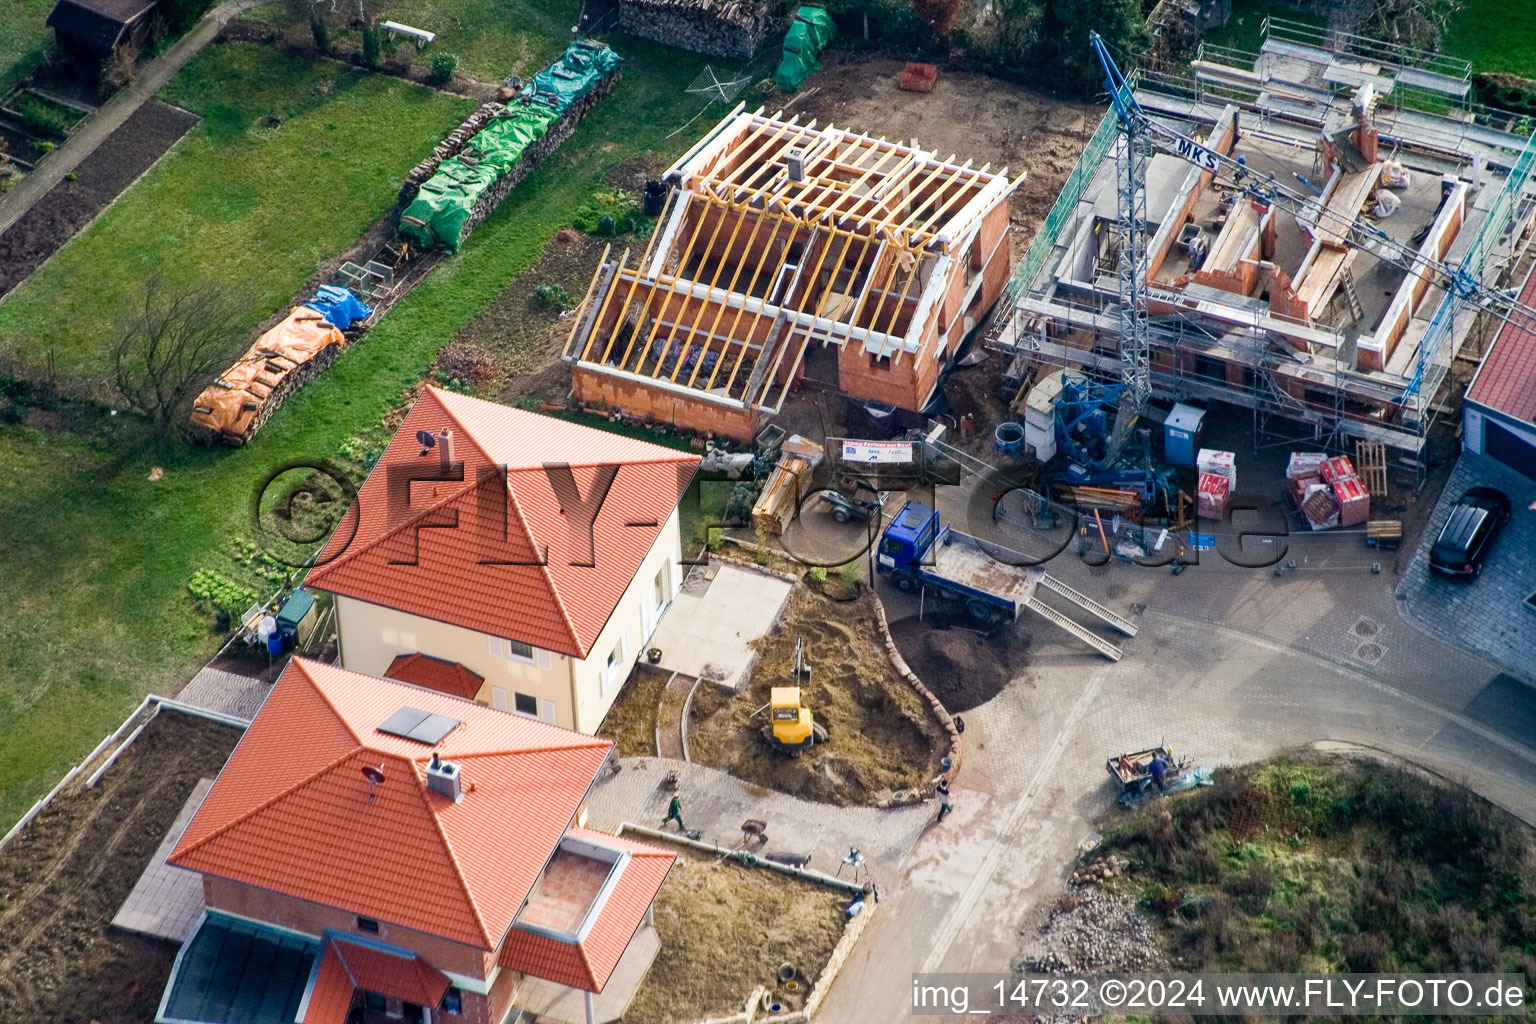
919, 551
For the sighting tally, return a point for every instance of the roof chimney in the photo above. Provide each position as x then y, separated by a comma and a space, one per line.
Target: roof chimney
445, 449
443, 777
795, 158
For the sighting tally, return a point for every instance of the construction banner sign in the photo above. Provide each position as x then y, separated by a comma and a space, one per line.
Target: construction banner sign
882, 452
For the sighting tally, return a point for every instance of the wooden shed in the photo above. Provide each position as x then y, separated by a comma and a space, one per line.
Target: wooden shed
89, 30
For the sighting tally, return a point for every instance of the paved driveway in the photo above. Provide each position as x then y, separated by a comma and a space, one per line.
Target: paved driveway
1489, 615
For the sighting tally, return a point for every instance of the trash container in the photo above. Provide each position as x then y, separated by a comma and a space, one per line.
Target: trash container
654, 198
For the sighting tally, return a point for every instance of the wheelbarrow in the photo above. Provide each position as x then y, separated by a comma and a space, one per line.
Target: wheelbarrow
1132, 772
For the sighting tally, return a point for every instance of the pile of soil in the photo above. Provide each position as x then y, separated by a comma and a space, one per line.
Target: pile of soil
70, 205
725, 929
66, 874
631, 721
881, 735
960, 664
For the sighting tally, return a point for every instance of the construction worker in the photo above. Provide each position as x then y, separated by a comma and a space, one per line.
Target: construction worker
1159, 768
675, 813
945, 806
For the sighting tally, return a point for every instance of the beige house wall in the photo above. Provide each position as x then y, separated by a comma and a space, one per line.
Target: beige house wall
574, 693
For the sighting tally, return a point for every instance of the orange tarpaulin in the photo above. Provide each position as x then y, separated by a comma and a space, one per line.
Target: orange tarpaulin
230, 404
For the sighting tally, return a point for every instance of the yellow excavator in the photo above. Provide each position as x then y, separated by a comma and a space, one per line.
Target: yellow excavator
791, 727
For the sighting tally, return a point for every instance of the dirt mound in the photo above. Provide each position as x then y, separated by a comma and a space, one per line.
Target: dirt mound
880, 734
961, 665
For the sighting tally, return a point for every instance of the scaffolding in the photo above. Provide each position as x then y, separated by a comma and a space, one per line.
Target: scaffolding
1309, 379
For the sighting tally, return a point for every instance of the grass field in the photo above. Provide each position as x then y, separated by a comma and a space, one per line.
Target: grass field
1495, 35
243, 202
97, 556
22, 37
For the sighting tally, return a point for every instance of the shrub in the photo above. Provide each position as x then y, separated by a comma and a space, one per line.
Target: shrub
370, 54
554, 296
816, 574
120, 69
321, 32
849, 575
761, 553
611, 211
43, 146
8, 180
443, 66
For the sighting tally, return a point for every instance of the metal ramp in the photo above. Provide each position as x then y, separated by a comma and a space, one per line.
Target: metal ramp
1078, 630
1088, 604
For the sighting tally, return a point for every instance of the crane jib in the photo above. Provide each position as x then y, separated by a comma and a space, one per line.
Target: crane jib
1195, 153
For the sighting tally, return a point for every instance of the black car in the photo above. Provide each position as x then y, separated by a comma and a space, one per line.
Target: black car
1468, 533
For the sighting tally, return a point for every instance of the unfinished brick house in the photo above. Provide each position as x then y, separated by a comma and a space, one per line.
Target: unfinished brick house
379, 850
784, 245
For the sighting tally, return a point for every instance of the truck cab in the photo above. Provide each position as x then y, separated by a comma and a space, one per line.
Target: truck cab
906, 542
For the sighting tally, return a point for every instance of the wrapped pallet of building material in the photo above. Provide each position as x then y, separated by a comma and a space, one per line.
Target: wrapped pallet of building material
1304, 464
1222, 464
1319, 508
1353, 500
1212, 496
810, 31
1336, 468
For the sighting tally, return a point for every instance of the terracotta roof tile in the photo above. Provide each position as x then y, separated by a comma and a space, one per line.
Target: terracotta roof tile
438, 674
446, 555
1506, 381
293, 812
588, 964
330, 999
406, 977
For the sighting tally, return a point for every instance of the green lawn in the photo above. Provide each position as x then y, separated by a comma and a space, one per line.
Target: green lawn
22, 38
249, 205
96, 555
1244, 31
1495, 35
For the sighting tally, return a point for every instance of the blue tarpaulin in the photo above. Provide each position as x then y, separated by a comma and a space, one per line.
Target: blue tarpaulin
339, 307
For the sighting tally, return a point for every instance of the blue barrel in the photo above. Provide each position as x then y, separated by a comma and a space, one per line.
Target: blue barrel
275, 643
1008, 439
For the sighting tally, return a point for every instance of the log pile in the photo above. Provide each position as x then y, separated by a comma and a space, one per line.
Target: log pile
728, 29
450, 146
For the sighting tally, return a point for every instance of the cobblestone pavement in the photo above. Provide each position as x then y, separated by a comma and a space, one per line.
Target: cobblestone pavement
715, 804
1488, 615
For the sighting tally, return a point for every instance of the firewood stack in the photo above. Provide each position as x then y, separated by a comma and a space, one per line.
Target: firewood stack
728, 29
450, 146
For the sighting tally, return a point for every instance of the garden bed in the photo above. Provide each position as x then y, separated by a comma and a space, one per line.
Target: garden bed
725, 929
631, 722
881, 736
67, 872
67, 207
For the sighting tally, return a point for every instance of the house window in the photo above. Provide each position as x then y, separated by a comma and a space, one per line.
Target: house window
374, 1001
452, 1002
367, 924
526, 705
615, 663
519, 651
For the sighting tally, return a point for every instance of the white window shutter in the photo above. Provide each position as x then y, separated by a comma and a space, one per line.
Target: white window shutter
542, 658
499, 698
493, 644
547, 710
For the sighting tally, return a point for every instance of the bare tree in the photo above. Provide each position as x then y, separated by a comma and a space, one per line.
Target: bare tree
1416, 23
170, 349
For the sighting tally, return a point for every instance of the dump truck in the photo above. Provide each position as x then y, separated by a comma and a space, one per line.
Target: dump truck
919, 552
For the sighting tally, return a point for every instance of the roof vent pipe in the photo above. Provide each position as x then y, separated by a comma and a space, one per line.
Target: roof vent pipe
445, 449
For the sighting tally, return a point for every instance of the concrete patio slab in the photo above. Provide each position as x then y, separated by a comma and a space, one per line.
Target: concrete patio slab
708, 633
166, 901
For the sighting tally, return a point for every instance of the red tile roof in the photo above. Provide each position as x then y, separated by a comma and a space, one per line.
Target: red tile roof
293, 812
406, 977
438, 674
1506, 382
331, 997
589, 963
557, 606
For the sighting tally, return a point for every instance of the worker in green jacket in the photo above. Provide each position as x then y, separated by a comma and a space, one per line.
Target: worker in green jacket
675, 813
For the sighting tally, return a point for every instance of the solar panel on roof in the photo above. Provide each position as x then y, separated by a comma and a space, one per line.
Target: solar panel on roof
415, 724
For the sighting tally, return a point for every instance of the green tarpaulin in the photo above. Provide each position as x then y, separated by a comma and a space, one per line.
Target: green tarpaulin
445, 201
809, 33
